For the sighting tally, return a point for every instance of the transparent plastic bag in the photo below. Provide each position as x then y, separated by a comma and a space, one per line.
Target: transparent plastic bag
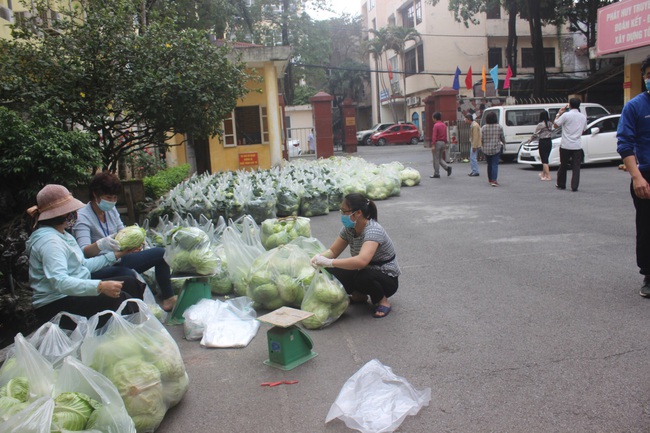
241, 256
189, 252
140, 357
233, 325
279, 277
376, 400
35, 418
280, 231
326, 298
55, 343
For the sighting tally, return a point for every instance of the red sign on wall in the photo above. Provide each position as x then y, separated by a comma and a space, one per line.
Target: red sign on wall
623, 26
248, 159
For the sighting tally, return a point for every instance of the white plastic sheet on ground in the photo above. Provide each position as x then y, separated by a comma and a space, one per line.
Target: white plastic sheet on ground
375, 400
221, 324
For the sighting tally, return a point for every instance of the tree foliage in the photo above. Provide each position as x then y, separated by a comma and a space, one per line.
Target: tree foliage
37, 152
537, 12
131, 87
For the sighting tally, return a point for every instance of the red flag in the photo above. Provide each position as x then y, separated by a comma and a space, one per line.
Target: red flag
506, 83
390, 72
468, 79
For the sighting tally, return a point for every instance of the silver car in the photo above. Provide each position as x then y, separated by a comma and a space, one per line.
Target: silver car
598, 143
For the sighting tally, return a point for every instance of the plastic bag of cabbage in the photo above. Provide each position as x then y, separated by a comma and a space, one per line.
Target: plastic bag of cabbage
281, 231
137, 354
326, 298
84, 400
279, 277
410, 176
189, 252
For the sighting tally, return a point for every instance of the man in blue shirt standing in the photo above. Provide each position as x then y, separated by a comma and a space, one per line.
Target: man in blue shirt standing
634, 147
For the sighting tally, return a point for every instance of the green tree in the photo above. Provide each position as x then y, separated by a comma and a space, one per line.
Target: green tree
583, 16
130, 87
36, 152
376, 47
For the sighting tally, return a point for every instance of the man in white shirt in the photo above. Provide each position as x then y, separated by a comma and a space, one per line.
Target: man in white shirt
573, 123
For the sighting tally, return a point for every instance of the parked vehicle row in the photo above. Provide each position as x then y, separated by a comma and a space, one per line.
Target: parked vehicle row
598, 144
519, 121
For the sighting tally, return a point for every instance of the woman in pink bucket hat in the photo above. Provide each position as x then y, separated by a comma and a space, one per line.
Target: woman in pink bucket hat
59, 273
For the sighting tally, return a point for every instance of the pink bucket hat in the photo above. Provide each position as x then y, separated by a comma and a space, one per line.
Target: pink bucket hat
53, 201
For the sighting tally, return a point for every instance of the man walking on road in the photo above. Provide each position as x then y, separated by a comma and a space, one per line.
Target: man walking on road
475, 143
573, 124
634, 147
438, 145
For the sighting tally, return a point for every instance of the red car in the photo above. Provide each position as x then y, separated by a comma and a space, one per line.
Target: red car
401, 133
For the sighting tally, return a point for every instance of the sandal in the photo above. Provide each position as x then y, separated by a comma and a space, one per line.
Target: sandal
381, 311
169, 303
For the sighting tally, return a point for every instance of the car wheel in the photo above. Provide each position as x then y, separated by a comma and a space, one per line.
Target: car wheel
381, 142
368, 141
414, 140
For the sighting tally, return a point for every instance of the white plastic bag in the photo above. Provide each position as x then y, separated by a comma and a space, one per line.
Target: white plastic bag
375, 400
222, 324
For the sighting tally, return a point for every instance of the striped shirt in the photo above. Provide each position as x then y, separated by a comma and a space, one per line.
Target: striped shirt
385, 251
492, 138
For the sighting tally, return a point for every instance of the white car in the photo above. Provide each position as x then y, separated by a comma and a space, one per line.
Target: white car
598, 144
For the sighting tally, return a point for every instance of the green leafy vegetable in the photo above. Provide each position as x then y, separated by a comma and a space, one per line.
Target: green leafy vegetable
131, 237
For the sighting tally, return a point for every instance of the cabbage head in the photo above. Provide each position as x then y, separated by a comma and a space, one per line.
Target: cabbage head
133, 375
111, 351
17, 388
173, 391
72, 411
410, 176
204, 261
265, 293
131, 237
328, 292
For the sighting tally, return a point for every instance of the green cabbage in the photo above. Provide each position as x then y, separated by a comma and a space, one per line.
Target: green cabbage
131, 237
72, 411
189, 238
410, 176
265, 293
17, 388
111, 351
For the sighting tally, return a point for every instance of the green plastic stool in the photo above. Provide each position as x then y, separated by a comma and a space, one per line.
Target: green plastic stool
194, 289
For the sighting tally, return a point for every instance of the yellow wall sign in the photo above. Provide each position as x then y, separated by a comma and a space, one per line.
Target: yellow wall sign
248, 159
350, 121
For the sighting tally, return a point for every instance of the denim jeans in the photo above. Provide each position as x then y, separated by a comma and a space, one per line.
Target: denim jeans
642, 207
140, 262
473, 160
493, 165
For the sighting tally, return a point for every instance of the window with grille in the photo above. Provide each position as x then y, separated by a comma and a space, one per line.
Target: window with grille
493, 10
246, 125
494, 57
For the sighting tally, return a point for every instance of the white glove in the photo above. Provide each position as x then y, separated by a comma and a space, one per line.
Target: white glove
108, 244
320, 260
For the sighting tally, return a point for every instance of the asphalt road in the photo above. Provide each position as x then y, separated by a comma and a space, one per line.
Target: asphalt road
518, 306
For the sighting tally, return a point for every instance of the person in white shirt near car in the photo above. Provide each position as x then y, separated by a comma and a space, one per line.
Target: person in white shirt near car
573, 124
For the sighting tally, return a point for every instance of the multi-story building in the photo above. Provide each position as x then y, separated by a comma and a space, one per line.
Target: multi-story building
446, 44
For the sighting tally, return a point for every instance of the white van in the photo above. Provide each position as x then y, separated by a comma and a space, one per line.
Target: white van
519, 121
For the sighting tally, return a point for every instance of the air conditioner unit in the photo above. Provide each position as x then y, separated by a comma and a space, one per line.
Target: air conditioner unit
6, 14
416, 100
409, 101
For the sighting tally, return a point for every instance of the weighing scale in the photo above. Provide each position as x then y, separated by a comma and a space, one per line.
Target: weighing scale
195, 288
289, 345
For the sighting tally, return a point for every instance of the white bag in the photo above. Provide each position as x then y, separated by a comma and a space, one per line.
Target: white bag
375, 400
233, 325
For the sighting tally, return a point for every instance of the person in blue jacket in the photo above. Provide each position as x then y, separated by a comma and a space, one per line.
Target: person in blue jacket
634, 147
59, 274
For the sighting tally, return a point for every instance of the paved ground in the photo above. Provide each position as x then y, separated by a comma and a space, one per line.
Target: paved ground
518, 306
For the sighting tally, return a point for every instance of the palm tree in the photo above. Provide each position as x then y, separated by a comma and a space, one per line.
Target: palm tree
398, 37
376, 47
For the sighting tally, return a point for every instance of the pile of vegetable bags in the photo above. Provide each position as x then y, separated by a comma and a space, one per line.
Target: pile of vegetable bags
301, 187
142, 360
37, 398
280, 231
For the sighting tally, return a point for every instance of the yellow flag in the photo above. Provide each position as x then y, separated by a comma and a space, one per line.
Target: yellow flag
484, 80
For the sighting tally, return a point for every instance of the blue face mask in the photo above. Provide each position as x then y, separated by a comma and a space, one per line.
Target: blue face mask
106, 205
647, 85
347, 222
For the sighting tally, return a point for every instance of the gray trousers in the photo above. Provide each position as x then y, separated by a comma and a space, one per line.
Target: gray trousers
437, 157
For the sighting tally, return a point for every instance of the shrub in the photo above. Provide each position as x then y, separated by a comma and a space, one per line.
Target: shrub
158, 185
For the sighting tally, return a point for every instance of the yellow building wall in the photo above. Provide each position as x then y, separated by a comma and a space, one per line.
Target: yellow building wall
632, 81
228, 158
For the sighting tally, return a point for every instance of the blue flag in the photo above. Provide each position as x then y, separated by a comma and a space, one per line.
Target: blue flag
456, 84
494, 73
